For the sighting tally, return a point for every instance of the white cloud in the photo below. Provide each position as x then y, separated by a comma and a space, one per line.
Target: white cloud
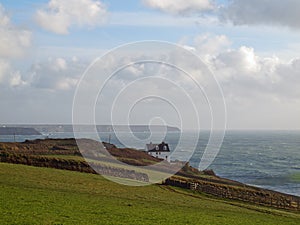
211, 44
4, 69
66, 83
238, 12
60, 64
246, 75
56, 74
244, 69
268, 12
16, 79
9, 77
243, 60
157, 19
14, 42
60, 15
260, 91
183, 7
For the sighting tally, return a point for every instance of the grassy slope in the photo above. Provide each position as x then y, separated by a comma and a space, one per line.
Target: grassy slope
31, 195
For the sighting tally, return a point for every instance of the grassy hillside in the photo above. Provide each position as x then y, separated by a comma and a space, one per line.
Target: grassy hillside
32, 195
64, 154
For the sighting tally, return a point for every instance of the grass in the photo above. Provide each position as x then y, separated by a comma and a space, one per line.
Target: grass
32, 195
67, 157
154, 176
295, 177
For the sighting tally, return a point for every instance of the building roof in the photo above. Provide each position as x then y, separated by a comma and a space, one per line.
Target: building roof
162, 147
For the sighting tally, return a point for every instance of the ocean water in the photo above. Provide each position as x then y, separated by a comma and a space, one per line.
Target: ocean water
268, 159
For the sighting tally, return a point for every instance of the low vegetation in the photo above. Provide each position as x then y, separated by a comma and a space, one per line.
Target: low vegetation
35, 195
64, 154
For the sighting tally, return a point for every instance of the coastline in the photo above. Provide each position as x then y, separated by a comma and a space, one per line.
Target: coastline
55, 152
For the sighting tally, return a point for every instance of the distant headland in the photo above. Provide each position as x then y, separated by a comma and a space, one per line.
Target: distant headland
51, 128
18, 131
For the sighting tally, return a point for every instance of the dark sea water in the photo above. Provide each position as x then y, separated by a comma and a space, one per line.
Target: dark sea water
268, 159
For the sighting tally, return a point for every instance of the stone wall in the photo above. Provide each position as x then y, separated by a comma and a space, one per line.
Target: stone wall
74, 165
247, 194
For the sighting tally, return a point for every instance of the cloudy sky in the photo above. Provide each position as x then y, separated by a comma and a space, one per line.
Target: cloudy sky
251, 46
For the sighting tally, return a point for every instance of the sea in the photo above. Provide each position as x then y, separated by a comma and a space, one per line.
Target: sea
267, 159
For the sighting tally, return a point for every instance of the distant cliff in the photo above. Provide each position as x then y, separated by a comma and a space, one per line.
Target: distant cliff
101, 128
18, 131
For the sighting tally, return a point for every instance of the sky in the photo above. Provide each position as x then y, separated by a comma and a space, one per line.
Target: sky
250, 47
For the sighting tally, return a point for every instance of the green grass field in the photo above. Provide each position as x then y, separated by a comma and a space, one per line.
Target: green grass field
32, 195
295, 177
